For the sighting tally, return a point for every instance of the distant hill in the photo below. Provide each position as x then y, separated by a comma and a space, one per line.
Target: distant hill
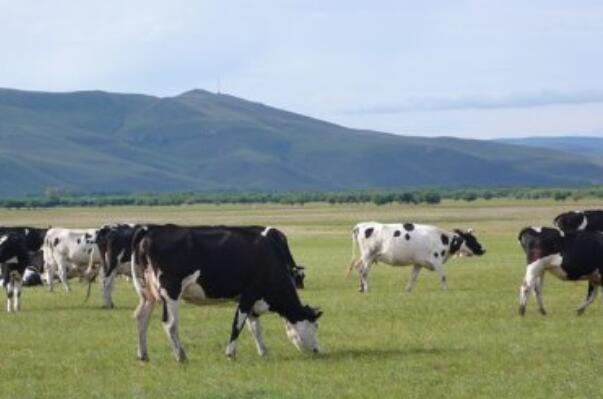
580, 145
92, 142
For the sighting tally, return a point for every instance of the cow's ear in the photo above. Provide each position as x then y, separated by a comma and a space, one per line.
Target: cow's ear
318, 314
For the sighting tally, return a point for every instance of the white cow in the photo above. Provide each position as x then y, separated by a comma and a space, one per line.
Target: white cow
408, 244
68, 251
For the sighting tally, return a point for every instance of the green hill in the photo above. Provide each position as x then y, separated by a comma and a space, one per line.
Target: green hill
579, 145
92, 142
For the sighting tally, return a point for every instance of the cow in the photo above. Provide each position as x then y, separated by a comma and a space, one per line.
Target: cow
204, 265
590, 220
68, 250
538, 242
114, 243
13, 246
34, 237
573, 256
405, 244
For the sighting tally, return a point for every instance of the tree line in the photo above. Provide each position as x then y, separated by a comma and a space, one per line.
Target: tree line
57, 198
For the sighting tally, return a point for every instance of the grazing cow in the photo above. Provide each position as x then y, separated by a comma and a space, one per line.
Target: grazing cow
13, 245
114, 243
68, 250
591, 220
574, 256
409, 244
204, 264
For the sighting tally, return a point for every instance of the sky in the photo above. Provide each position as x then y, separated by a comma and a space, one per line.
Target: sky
479, 69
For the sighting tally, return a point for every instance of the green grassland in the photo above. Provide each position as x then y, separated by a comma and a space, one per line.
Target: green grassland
467, 342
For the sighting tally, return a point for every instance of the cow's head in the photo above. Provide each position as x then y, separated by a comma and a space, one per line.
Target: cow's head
571, 221
464, 243
304, 333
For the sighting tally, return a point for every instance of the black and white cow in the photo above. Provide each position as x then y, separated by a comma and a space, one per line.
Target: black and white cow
13, 246
591, 220
114, 243
70, 251
204, 264
405, 244
34, 237
574, 256
538, 242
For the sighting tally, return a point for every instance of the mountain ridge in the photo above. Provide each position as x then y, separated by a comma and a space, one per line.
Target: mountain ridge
96, 141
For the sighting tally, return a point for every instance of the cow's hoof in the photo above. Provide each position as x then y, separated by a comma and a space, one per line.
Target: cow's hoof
522, 310
542, 312
181, 357
580, 312
143, 358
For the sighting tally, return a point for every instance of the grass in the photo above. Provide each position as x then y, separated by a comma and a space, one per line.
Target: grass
467, 342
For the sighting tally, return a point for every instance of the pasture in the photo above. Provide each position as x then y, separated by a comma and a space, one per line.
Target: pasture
467, 342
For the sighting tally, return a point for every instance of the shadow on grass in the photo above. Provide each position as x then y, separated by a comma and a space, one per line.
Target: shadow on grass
382, 353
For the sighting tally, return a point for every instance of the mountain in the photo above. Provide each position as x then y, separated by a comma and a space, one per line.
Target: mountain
579, 145
94, 141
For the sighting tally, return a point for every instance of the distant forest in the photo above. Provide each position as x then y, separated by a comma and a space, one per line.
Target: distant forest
57, 198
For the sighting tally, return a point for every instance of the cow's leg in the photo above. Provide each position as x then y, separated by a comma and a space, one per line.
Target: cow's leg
539, 283
50, 275
253, 322
63, 275
365, 268
9, 297
414, 274
439, 268
143, 314
533, 271
107, 282
18, 284
243, 311
590, 298
170, 321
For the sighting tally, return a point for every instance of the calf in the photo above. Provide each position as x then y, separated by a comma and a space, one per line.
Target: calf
13, 245
409, 244
591, 220
205, 264
68, 250
574, 256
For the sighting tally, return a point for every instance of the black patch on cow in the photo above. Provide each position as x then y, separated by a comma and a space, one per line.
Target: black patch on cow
408, 226
444, 239
436, 255
87, 236
78, 241
368, 232
397, 233
407, 236
443, 253
89, 251
56, 242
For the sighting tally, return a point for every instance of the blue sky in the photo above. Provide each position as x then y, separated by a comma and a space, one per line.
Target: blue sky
478, 69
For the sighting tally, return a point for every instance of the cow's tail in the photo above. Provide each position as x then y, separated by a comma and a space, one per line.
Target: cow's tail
353, 262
